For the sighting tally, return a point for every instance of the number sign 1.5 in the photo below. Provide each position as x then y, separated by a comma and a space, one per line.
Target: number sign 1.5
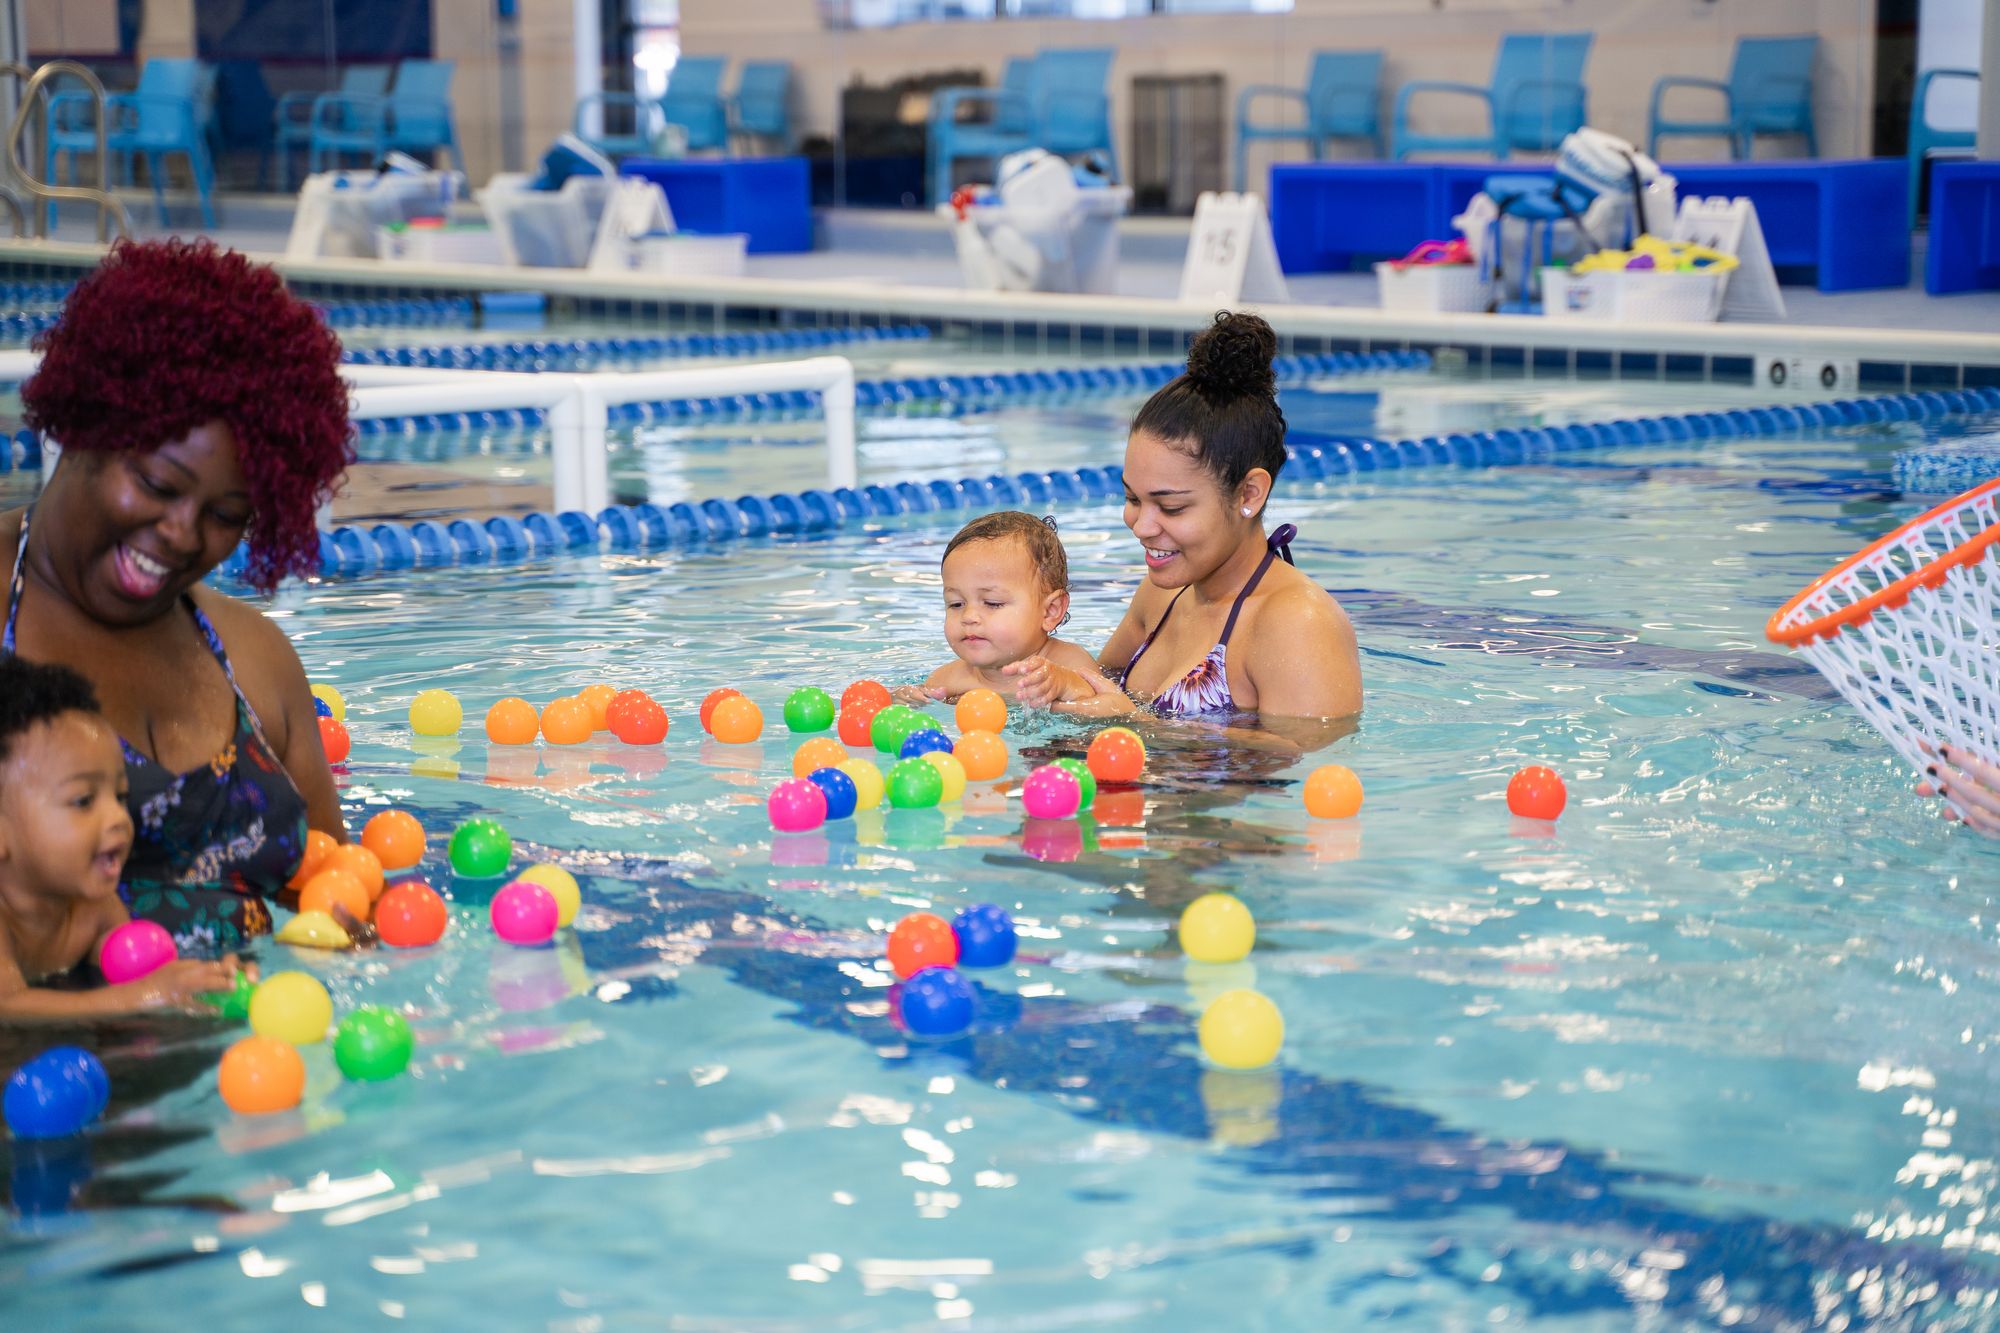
1230, 256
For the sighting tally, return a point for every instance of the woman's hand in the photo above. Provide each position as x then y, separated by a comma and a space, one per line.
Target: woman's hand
916, 696
1040, 683
1970, 784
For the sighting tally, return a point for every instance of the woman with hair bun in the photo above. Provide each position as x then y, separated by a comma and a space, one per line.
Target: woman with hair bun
1224, 625
197, 404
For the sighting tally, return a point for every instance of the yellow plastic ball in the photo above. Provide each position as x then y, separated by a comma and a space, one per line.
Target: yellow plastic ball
951, 771
436, 713
1241, 1030
868, 783
1333, 792
293, 1007
1218, 928
562, 887
333, 699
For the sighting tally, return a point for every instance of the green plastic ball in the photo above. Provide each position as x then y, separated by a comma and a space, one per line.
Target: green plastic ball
1081, 772
915, 784
480, 849
883, 733
234, 1003
372, 1044
808, 708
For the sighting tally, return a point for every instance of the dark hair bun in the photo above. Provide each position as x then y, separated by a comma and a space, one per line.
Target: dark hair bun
1231, 358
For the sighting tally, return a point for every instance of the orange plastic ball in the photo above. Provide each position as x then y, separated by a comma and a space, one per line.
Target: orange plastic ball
983, 755
333, 738
637, 721
396, 838
620, 704
856, 719
411, 915
708, 705
329, 887
1536, 793
565, 722
360, 862
921, 940
981, 710
597, 698
511, 722
1115, 756
736, 721
871, 693
260, 1075
817, 753
318, 844
1333, 792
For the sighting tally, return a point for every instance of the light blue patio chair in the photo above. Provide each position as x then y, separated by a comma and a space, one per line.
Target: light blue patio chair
1535, 98
1769, 92
419, 103
620, 110
292, 120
1068, 113
694, 102
1926, 140
1342, 100
163, 116
1007, 128
761, 109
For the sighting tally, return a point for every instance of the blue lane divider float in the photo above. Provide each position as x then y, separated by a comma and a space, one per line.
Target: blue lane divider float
18, 325
27, 444
388, 546
1948, 467
567, 354
970, 392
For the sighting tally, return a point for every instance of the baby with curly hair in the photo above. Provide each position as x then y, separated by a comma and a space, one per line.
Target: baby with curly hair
1006, 592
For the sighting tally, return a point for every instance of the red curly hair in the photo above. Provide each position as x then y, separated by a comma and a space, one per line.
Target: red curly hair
165, 336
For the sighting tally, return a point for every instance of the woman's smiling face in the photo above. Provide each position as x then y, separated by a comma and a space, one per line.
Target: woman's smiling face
1178, 511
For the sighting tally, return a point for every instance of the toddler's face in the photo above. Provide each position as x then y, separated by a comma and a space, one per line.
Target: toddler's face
995, 609
64, 829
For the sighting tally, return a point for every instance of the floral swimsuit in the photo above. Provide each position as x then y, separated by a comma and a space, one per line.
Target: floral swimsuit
208, 845
1205, 688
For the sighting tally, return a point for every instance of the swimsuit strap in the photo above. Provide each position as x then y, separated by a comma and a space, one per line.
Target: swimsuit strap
1154, 635
15, 584
1280, 544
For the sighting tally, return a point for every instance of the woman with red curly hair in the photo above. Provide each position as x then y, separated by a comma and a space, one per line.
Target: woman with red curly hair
197, 404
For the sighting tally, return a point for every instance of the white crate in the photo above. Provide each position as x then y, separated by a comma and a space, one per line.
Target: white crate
1433, 288
686, 255
1633, 295
438, 245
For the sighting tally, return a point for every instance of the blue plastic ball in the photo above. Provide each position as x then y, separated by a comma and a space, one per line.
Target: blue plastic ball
986, 936
920, 743
82, 1064
936, 1002
839, 790
46, 1101
321, 708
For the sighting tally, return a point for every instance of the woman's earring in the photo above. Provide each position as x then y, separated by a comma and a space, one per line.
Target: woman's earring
1246, 511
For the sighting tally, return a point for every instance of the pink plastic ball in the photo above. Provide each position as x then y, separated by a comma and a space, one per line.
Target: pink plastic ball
524, 913
136, 949
797, 805
1051, 793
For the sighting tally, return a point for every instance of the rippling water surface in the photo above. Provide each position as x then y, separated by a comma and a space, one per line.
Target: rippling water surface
1713, 1050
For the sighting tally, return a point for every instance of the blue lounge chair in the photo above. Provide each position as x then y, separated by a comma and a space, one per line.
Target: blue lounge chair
694, 102
637, 120
1769, 92
1536, 97
1342, 100
163, 116
292, 120
761, 109
420, 114
1068, 112
1926, 140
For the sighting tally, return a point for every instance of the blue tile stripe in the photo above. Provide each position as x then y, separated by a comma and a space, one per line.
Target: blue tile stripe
353, 550
946, 392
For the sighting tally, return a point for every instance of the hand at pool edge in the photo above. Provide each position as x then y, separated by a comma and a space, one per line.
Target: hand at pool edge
1970, 785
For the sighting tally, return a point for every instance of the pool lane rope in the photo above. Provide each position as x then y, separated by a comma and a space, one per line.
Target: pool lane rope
584, 354
355, 549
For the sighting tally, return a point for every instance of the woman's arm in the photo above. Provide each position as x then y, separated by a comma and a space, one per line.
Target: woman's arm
255, 642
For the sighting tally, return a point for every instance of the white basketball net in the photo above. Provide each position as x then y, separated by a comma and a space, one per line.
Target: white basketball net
1926, 670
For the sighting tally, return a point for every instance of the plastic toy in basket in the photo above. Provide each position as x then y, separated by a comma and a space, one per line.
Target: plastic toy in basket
1436, 252
1660, 256
1908, 629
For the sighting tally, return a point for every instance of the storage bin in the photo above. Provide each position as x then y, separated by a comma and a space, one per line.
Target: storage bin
1637, 296
1433, 288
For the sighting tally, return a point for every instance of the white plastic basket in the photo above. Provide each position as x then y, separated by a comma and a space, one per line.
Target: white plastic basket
1908, 629
438, 245
688, 255
1636, 295
1433, 288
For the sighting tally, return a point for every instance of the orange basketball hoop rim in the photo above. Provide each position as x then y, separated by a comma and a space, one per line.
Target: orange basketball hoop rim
1812, 614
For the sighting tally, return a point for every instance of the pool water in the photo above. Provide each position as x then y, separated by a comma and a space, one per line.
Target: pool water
1710, 1051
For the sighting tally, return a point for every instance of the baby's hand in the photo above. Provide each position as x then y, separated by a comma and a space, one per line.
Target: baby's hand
1040, 683
176, 985
916, 696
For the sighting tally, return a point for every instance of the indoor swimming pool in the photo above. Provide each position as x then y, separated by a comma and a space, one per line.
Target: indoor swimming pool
1712, 1050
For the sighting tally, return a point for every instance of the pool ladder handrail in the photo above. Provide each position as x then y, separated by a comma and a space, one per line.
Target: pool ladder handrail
33, 99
